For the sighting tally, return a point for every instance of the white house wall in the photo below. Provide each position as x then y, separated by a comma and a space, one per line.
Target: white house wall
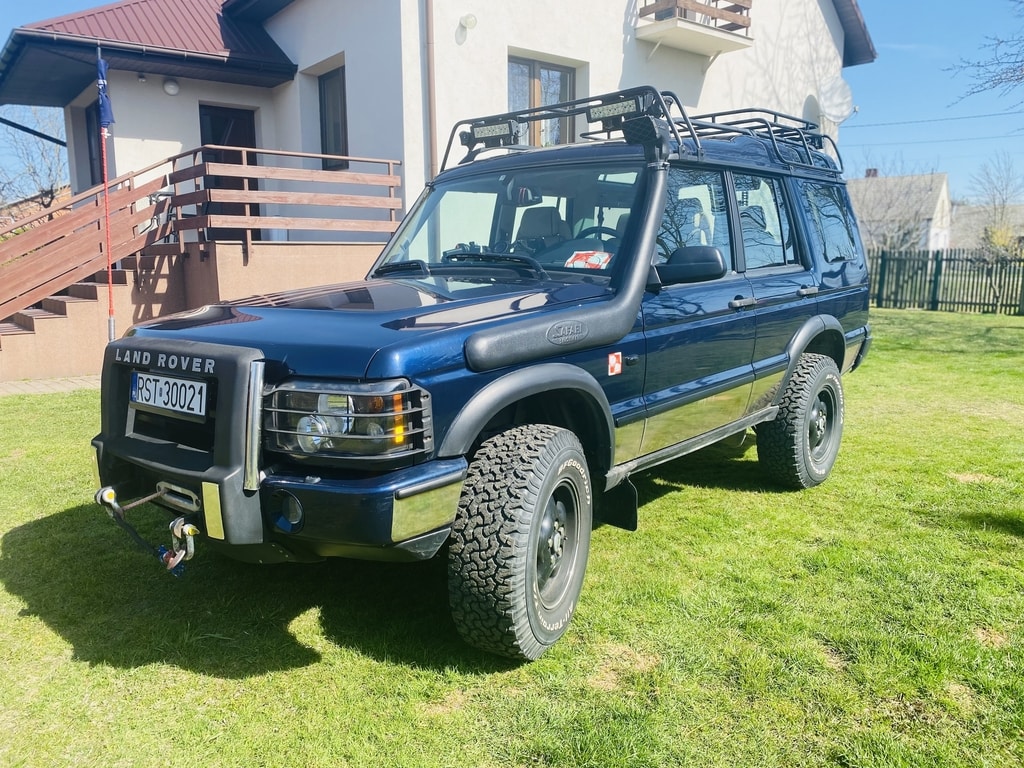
319, 35
151, 125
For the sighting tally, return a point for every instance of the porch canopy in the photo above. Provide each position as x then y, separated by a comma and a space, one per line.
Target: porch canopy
51, 62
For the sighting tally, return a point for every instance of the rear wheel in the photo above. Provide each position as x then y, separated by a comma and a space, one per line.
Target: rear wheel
799, 447
519, 544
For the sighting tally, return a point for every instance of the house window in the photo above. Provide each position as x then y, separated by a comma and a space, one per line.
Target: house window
537, 84
333, 122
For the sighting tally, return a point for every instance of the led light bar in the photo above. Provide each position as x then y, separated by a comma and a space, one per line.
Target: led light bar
621, 108
503, 130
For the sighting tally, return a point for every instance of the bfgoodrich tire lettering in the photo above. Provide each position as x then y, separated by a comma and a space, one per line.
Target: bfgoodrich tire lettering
798, 448
519, 544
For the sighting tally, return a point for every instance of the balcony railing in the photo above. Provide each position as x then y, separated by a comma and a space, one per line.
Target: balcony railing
705, 27
728, 15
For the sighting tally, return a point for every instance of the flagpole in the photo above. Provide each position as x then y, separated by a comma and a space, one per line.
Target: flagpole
106, 117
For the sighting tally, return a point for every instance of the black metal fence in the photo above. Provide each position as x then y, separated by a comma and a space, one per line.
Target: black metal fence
948, 281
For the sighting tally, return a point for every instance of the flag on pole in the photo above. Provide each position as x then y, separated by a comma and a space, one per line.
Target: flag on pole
106, 119
106, 111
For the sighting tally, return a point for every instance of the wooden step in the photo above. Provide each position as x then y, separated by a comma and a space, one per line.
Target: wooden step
31, 317
58, 305
9, 328
138, 262
119, 277
89, 291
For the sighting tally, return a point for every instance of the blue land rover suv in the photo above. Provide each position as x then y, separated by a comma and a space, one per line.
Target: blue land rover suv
545, 322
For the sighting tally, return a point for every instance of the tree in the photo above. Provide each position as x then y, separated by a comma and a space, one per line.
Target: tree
1002, 68
997, 187
33, 168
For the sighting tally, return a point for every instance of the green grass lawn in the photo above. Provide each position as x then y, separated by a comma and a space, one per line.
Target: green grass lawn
873, 621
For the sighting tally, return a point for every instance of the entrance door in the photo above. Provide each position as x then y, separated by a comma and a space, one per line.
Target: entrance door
224, 126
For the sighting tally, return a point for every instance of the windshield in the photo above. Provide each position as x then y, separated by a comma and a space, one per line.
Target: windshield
532, 221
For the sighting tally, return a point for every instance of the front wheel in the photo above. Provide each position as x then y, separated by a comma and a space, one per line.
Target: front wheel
519, 544
798, 448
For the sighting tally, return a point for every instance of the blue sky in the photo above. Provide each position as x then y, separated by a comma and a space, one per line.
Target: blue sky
910, 84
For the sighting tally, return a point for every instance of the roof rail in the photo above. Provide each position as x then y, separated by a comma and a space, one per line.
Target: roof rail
794, 132
611, 110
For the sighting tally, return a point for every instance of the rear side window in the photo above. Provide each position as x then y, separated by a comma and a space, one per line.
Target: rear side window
831, 222
764, 222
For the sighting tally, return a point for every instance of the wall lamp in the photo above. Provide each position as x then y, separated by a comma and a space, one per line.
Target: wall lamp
171, 86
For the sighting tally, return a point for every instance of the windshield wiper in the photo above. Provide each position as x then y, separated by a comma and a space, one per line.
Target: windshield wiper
416, 265
483, 257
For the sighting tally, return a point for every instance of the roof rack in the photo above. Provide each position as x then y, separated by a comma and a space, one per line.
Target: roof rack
792, 138
801, 136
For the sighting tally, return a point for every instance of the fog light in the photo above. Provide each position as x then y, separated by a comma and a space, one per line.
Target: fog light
290, 515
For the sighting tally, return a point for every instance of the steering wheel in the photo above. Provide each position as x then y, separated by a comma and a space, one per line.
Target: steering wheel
589, 231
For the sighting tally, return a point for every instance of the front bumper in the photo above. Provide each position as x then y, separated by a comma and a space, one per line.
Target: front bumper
261, 514
400, 515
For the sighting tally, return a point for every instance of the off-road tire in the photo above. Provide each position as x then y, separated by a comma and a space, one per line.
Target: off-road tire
798, 448
520, 540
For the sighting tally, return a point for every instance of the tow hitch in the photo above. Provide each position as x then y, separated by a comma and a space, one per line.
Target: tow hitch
183, 533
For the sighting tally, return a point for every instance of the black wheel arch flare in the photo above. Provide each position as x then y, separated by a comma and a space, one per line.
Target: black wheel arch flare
514, 387
821, 334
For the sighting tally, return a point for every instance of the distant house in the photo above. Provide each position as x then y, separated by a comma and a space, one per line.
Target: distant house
903, 212
20, 209
387, 79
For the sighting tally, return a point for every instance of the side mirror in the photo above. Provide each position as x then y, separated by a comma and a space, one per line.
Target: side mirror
692, 264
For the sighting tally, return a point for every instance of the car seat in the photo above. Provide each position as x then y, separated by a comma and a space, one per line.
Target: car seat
542, 228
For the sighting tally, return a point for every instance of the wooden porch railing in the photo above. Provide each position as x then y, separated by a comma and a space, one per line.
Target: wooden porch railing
728, 15
209, 190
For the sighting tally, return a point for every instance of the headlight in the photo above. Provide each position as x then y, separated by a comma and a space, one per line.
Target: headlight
336, 419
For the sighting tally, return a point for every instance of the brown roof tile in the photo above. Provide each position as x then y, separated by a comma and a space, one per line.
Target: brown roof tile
50, 62
197, 26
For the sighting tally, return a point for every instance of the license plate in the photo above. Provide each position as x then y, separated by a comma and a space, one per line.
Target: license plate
166, 393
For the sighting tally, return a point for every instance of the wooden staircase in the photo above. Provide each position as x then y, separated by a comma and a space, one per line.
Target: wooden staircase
64, 335
53, 278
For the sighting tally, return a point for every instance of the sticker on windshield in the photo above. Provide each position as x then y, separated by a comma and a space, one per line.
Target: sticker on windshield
589, 260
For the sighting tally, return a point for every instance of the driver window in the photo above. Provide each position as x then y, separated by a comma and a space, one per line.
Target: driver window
695, 212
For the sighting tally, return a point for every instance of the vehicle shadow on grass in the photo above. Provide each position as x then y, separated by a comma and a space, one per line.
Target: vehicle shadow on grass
81, 575
723, 465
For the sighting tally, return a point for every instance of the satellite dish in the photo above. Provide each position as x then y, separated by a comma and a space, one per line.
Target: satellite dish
836, 100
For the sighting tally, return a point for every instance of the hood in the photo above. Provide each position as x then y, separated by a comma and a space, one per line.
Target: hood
368, 329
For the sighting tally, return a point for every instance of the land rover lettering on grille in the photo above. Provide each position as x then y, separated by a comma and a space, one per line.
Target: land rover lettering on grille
480, 398
171, 362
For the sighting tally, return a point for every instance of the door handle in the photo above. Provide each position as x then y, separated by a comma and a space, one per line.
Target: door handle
742, 301
807, 290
